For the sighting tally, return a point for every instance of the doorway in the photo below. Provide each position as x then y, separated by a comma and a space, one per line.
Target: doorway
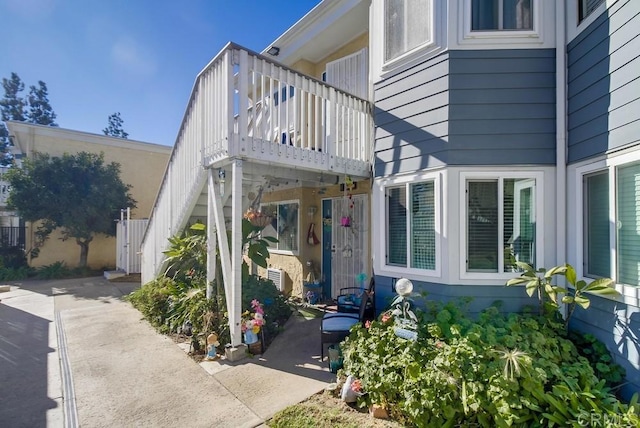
345, 243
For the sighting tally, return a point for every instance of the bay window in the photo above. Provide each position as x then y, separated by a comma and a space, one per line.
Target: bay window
586, 7
407, 25
498, 15
500, 223
411, 231
605, 222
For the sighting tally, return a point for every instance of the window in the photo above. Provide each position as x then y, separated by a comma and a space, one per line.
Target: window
497, 15
500, 224
628, 224
411, 232
407, 25
604, 223
284, 226
597, 247
585, 7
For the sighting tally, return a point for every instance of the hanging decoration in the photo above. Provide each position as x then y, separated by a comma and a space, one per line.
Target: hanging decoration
312, 239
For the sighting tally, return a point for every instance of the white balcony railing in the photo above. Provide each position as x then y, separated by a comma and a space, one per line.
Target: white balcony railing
289, 119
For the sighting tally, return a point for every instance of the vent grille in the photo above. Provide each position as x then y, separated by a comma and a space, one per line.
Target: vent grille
277, 276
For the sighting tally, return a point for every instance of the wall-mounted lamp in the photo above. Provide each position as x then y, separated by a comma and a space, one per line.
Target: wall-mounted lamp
221, 180
312, 210
273, 50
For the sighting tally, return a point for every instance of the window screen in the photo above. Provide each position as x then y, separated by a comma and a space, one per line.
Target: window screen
397, 230
423, 237
596, 225
490, 15
482, 226
407, 26
628, 224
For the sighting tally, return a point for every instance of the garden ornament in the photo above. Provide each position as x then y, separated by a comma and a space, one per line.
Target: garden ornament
212, 344
406, 321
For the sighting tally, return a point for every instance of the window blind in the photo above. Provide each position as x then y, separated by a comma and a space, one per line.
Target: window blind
628, 224
423, 239
482, 226
397, 230
596, 225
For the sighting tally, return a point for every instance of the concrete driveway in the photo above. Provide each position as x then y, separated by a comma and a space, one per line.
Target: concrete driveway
73, 353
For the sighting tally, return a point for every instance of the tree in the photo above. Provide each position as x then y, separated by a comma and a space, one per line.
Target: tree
40, 110
78, 194
115, 127
13, 105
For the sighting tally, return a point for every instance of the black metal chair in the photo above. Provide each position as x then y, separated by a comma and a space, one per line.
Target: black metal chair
335, 327
348, 301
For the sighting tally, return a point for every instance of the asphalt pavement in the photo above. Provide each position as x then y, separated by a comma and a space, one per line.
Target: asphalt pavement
74, 353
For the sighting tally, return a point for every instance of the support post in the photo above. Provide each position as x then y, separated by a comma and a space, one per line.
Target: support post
211, 234
236, 252
223, 245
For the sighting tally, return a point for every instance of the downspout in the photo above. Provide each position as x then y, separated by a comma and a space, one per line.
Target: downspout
561, 138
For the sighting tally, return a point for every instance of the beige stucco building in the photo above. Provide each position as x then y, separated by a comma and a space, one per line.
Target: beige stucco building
142, 166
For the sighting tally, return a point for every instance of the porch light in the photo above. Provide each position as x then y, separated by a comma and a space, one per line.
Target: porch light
312, 210
273, 50
221, 179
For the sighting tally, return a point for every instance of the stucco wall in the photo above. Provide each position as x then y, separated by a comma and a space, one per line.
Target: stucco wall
142, 166
295, 265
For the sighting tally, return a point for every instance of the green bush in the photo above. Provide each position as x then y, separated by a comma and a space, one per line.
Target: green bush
57, 270
12, 258
14, 274
514, 370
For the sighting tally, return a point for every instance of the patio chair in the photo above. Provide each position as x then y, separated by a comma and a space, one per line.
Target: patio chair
349, 299
334, 327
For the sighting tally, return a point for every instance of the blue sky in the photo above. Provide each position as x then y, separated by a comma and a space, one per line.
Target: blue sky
138, 57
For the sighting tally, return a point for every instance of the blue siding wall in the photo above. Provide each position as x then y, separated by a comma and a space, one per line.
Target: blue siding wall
512, 299
480, 107
617, 325
603, 83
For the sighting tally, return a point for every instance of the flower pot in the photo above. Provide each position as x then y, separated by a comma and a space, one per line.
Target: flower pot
255, 348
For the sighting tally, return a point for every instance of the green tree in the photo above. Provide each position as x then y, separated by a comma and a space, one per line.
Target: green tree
11, 108
13, 105
78, 194
34, 109
115, 127
40, 110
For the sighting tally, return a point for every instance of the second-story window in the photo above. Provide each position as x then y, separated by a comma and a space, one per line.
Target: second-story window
585, 7
407, 26
498, 15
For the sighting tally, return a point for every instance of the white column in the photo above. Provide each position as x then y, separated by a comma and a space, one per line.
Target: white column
236, 253
223, 246
211, 235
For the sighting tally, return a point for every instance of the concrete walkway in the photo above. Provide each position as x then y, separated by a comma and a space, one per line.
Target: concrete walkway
73, 353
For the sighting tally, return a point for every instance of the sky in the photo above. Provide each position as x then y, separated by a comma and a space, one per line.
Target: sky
136, 57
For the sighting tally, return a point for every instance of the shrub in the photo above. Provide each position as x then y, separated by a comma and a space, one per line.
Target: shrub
55, 270
514, 370
276, 309
13, 274
12, 257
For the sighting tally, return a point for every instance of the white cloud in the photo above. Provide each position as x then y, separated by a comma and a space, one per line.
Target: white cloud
130, 56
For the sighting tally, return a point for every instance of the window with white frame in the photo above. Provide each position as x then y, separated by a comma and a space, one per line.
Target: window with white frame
407, 25
411, 231
284, 226
586, 7
621, 221
500, 223
499, 15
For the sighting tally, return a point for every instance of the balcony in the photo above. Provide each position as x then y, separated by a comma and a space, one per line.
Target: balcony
249, 121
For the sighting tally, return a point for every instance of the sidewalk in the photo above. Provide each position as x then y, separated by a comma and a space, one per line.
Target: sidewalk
125, 374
